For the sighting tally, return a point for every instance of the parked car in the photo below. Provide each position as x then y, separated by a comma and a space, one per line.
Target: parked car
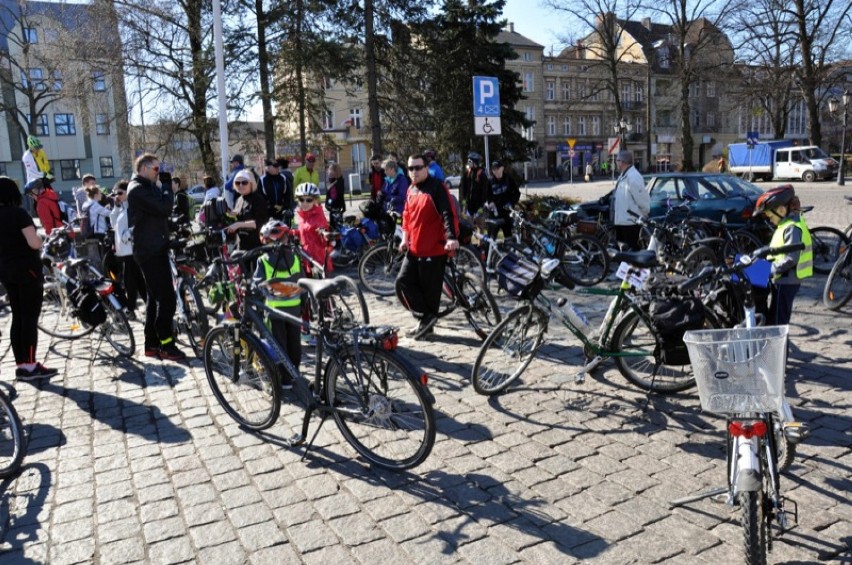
711, 195
197, 193
454, 181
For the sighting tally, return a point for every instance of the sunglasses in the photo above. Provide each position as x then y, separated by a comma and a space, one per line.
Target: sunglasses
118, 193
308, 200
241, 182
416, 167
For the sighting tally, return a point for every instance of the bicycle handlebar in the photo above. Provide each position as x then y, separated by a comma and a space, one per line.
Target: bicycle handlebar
738, 266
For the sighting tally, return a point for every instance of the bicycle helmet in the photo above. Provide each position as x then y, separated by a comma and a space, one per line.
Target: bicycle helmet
774, 197
33, 142
474, 157
307, 189
274, 230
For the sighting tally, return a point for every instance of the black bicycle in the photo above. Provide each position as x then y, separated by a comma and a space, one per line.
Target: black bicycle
379, 401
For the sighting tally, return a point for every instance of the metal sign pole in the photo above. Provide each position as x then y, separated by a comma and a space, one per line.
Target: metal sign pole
487, 158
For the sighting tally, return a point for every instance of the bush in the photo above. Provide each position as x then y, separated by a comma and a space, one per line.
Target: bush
539, 207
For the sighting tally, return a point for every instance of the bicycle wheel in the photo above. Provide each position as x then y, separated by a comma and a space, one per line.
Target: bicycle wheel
248, 388
11, 438
195, 325
379, 268
58, 315
754, 527
838, 285
508, 350
380, 407
828, 245
584, 260
638, 353
785, 452
469, 261
742, 241
480, 307
116, 329
700, 257
347, 308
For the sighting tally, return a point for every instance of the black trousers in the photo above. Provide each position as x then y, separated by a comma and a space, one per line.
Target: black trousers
289, 335
781, 308
25, 299
132, 281
162, 300
629, 236
419, 284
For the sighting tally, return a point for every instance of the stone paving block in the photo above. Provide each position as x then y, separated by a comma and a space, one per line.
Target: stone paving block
163, 529
212, 535
250, 514
295, 514
609, 493
277, 555
405, 526
336, 505
155, 493
79, 551
614, 526
311, 536
329, 554
202, 513
380, 551
354, 530
72, 511
691, 539
70, 531
231, 480
488, 550
120, 552
546, 552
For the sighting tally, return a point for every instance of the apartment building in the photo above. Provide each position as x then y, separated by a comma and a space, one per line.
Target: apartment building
79, 100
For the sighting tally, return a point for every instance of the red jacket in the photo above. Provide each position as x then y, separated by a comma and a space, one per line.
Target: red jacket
47, 208
427, 219
312, 242
377, 180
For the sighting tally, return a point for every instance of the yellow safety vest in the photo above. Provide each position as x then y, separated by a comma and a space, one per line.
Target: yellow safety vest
269, 272
805, 266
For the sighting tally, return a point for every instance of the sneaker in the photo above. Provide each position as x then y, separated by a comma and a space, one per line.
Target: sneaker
286, 379
170, 352
425, 326
425, 334
37, 372
152, 352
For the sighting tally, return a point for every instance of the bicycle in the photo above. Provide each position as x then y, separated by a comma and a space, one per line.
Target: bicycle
190, 314
626, 334
78, 298
828, 244
378, 400
838, 285
12, 438
464, 290
740, 374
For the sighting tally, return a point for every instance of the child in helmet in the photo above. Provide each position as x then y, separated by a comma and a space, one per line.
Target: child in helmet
282, 263
312, 222
781, 206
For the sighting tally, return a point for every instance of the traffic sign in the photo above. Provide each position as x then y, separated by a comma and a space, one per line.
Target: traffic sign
571, 153
486, 97
486, 126
571, 142
752, 138
613, 143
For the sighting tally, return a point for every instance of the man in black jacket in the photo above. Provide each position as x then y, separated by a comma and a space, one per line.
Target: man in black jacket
276, 189
149, 206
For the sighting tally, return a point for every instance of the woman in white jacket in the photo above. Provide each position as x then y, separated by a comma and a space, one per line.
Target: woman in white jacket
131, 277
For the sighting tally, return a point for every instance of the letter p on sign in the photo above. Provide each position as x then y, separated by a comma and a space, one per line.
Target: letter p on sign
486, 97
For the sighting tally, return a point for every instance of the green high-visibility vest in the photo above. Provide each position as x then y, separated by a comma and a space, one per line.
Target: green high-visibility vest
805, 266
269, 272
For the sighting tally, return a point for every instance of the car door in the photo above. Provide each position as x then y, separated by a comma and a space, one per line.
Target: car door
664, 193
709, 198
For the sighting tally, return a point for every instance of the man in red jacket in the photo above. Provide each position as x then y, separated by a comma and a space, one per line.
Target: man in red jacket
428, 234
47, 206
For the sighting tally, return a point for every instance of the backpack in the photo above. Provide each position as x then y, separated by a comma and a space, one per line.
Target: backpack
519, 276
86, 230
213, 213
63, 212
90, 309
672, 317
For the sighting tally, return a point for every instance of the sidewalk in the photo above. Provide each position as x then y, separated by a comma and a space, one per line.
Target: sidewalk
133, 461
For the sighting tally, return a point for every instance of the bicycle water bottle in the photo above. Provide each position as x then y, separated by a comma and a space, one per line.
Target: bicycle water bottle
548, 245
577, 318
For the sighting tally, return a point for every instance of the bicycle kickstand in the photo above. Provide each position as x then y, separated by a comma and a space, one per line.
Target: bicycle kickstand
657, 365
308, 413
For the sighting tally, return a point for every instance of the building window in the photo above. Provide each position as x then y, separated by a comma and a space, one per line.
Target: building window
527, 57
711, 120
3, 169
626, 92
101, 124
566, 126
639, 92
711, 89
70, 169
581, 90
355, 117
664, 58
64, 124
581, 125
550, 66
107, 170
551, 90
566, 90
328, 119
594, 94
639, 125
694, 89
696, 118
529, 113
33, 78
564, 67
57, 80
596, 125
529, 82
98, 81
42, 126
30, 35
551, 125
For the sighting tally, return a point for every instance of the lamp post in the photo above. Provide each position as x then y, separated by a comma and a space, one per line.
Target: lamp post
833, 107
621, 127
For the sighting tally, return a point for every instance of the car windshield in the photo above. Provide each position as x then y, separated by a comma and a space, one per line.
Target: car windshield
814, 153
732, 186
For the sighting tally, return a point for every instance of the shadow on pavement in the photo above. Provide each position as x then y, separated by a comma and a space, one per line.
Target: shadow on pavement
19, 511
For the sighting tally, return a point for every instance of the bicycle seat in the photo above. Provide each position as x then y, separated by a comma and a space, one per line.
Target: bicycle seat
349, 219
73, 263
320, 288
646, 258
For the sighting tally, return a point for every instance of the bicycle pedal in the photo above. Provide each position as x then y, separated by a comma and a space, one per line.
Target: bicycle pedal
296, 440
580, 378
795, 432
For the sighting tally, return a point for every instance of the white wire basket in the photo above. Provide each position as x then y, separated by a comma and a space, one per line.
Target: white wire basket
739, 370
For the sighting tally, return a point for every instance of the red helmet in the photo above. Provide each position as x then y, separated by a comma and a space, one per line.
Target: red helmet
774, 197
273, 230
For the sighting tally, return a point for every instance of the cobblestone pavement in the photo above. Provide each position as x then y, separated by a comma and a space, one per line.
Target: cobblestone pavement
133, 461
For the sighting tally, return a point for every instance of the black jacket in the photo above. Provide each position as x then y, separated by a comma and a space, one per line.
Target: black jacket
148, 211
278, 192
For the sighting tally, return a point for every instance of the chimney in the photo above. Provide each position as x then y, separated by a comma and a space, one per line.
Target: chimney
511, 27
646, 23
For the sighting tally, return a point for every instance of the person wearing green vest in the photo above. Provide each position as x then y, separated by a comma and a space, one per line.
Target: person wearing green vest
282, 263
781, 206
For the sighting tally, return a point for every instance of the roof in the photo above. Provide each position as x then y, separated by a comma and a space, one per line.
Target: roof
516, 40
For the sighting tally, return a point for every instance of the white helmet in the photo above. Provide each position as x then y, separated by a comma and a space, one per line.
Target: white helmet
307, 189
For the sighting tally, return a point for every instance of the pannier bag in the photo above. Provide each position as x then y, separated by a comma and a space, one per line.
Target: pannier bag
519, 276
672, 317
213, 214
89, 307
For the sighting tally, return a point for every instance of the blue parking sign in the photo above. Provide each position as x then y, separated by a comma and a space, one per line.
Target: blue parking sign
486, 97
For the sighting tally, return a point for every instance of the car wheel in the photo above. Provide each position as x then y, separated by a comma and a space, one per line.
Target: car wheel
809, 176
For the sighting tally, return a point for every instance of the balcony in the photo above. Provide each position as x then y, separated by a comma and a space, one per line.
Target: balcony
633, 136
632, 105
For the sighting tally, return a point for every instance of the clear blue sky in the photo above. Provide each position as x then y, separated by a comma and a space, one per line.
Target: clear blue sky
533, 20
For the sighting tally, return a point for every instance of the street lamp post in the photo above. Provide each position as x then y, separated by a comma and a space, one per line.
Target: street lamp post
833, 107
621, 127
